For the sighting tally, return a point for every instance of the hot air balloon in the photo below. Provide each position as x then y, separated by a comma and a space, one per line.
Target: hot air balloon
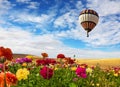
88, 19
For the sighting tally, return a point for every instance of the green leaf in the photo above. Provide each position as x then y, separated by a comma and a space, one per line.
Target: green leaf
72, 85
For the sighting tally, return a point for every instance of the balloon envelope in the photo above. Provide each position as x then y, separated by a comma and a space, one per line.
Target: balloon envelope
88, 19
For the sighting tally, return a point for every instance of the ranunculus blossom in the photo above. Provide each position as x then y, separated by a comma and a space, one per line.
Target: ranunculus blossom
115, 74
6, 53
81, 72
10, 79
89, 70
30, 57
24, 64
84, 65
19, 60
46, 72
116, 69
22, 74
46, 61
61, 56
69, 60
44, 55
23, 60
73, 68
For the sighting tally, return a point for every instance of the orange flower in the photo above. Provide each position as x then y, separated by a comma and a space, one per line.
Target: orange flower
1, 79
10, 79
44, 55
6, 52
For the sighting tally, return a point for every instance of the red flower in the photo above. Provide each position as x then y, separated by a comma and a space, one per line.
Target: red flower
6, 52
46, 72
61, 56
69, 60
11, 78
45, 61
116, 69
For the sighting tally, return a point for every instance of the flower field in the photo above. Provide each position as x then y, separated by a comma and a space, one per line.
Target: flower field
54, 72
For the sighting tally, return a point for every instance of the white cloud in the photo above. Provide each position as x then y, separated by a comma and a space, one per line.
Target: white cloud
21, 41
37, 21
30, 4
106, 33
69, 17
33, 18
23, 1
5, 5
79, 5
105, 7
33, 5
66, 20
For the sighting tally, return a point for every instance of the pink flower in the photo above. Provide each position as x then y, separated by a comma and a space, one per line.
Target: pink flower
81, 72
46, 72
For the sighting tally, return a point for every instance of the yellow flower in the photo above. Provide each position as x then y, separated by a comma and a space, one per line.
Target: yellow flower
24, 64
89, 70
93, 84
22, 74
73, 68
116, 74
113, 71
56, 68
97, 84
30, 57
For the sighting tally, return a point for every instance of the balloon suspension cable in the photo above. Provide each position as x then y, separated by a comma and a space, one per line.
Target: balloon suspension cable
87, 34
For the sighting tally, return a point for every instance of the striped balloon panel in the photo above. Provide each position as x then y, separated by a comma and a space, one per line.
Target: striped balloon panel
87, 25
88, 17
89, 11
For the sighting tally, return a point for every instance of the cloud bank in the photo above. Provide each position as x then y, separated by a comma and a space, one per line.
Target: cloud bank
27, 31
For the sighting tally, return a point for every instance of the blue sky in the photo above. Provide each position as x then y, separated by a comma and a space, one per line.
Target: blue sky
52, 26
